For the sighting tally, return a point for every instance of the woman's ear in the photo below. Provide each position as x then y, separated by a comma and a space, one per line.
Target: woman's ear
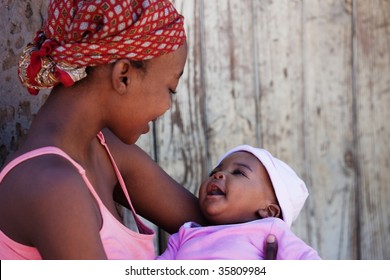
271, 210
121, 75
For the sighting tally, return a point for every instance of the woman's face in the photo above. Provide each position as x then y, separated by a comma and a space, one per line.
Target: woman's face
236, 190
150, 92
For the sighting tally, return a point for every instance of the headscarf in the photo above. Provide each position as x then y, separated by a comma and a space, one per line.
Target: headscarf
85, 33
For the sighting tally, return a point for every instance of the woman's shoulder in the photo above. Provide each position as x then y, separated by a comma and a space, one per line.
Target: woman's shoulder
40, 170
44, 177
43, 190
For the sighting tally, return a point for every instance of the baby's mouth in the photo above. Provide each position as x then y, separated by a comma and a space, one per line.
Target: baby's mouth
214, 189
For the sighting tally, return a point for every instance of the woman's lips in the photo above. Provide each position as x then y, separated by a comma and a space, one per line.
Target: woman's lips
146, 130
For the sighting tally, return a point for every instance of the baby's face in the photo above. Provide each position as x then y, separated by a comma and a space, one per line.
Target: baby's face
236, 190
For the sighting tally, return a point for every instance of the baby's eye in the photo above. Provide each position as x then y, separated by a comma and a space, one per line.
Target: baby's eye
171, 91
238, 172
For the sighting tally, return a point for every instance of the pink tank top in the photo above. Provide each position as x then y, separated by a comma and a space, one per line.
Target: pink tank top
119, 242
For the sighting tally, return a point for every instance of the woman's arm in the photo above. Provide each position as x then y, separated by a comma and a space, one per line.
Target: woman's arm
154, 194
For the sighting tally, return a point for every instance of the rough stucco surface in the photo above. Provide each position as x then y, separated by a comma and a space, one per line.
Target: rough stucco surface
19, 21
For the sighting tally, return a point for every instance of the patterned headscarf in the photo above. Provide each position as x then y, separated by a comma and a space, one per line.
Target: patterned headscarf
85, 33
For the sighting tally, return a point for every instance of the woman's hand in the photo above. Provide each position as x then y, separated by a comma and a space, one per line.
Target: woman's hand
270, 247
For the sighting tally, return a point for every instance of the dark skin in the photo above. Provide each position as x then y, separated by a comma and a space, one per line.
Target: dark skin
159, 185
45, 203
271, 247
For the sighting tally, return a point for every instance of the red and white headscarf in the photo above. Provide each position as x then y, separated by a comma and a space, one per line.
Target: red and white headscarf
85, 33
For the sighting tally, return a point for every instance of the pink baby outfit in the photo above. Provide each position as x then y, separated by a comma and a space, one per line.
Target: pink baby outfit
119, 242
236, 242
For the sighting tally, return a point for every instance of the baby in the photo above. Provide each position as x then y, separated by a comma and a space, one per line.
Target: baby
249, 195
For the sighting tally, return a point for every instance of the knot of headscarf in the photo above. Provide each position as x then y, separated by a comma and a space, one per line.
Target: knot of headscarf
85, 33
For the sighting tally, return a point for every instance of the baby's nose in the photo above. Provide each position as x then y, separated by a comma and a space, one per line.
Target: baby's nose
218, 175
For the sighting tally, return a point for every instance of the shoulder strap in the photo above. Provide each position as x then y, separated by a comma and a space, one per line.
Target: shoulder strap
141, 226
46, 151
36, 153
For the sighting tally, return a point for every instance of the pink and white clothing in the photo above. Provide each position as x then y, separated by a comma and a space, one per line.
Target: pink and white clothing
119, 242
236, 242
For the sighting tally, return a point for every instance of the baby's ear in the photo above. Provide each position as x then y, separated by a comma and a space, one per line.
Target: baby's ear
272, 210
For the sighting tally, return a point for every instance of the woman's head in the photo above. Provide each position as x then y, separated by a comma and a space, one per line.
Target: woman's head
133, 51
266, 183
78, 34
142, 93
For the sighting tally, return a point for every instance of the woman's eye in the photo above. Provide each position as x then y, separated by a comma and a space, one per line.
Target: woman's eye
171, 91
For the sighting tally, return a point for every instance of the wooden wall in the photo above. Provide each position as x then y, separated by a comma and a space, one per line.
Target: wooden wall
307, 80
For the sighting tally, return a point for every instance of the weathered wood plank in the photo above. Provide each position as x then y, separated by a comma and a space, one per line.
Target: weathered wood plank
372, 75
230, 90
180, 133
328, 143
279, 41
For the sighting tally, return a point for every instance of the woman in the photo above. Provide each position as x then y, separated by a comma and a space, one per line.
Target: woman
113, 66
